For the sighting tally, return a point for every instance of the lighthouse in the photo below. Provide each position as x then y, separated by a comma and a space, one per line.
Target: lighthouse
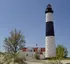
50, 47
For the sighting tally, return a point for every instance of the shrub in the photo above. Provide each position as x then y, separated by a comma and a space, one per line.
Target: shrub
37, 55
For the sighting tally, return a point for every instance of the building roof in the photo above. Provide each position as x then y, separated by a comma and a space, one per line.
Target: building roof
35, 49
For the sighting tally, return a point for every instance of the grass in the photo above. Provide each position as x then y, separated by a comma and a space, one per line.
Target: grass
54, 58
68, 58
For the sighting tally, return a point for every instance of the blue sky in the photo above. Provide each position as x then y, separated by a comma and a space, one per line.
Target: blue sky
29, 17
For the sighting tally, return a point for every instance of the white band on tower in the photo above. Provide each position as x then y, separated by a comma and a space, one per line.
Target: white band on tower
49, 17
50, 49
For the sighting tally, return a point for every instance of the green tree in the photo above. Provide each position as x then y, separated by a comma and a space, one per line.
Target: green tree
61, 51
13, 44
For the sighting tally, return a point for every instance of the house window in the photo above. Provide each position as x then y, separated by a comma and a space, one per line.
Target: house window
41, 50
34, 50
30, 50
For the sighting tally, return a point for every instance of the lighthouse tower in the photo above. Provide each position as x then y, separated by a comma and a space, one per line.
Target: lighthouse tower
50, 47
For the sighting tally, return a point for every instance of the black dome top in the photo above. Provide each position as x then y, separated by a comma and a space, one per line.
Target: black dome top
49, 6
49, 9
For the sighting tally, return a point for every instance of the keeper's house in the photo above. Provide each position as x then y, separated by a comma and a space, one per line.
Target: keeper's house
30, 52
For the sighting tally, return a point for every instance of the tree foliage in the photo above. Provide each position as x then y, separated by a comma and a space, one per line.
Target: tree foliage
37, 55
14, 42
61, 51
